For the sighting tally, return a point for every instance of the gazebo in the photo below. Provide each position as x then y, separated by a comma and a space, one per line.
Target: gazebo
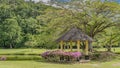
75, 35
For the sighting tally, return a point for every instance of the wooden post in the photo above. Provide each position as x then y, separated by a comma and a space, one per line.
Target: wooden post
86, 47
71, 45
68, 46
61, 45
78, 45
64, 45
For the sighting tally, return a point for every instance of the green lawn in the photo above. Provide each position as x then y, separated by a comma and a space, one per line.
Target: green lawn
22, 51
37, 64
39, 51
104, 49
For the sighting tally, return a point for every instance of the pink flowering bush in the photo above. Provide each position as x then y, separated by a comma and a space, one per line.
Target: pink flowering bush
60, 55
3, 58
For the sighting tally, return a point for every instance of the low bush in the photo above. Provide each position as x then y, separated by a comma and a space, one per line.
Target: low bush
2, 58
117, 52
59, 55
102, 56
19, 54
19, 57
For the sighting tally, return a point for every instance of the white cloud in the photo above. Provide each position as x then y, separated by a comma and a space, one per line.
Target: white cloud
36, 0
42, 0
45, 1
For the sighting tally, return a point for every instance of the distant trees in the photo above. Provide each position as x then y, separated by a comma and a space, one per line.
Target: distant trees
29, 24
18, 24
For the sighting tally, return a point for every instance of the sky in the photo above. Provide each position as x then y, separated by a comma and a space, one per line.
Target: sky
118, 1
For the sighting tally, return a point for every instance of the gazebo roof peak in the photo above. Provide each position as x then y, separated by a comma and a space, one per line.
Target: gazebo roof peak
74, 34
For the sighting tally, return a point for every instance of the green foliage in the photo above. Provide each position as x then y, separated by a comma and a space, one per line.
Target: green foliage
10, 33
105, 56
29, 24
22, 57
19, 26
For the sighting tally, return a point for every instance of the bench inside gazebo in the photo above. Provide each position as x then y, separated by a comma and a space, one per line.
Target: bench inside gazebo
75, 35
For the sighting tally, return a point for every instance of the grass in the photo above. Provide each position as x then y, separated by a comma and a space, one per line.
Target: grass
37, 64
22, 54
21, 51
16, 55
113, 49
38, 51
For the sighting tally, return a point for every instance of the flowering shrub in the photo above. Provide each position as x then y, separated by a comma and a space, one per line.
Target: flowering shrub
60, 55
3, 58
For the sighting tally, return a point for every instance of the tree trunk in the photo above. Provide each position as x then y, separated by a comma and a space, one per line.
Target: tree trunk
4, 43
11, 46
110, 45
90, 46
109, 48
85, 27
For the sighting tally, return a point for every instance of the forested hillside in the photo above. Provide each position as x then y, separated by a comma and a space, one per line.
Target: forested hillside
20, 24
29, 24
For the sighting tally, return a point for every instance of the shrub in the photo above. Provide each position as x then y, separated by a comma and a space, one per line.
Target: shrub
60, 55
3, 58
102, 56
20, 57
117, 53
23, 58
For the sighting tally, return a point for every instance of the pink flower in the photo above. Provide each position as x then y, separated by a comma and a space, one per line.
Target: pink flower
3, 58
59, 53
76, 54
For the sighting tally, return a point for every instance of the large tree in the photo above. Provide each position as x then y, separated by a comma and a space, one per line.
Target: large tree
92, 16
10, 33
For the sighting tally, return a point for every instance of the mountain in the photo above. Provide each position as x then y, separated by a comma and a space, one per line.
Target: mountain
46, 1
62, 0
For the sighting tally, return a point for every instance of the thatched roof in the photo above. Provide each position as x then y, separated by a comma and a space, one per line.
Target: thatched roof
74, 34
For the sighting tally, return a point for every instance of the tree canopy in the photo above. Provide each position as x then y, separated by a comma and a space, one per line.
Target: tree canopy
31, 24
